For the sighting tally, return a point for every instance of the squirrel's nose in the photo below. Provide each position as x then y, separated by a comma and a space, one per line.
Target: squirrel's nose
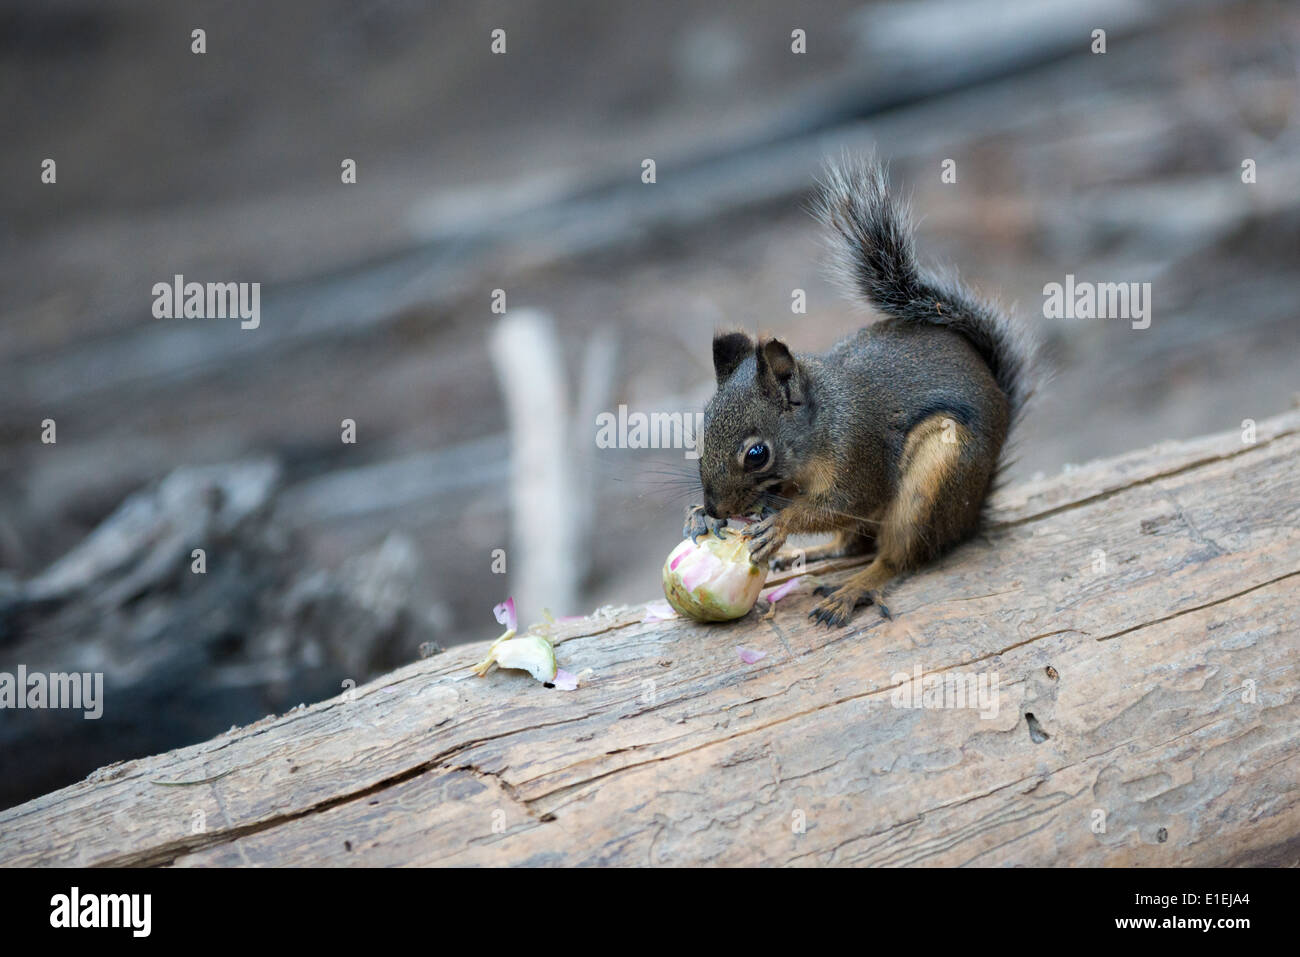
710, 505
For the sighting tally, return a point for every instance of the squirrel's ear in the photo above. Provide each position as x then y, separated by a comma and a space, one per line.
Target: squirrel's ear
778, 372
730, 349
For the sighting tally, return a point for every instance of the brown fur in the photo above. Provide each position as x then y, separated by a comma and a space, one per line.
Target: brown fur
929, 499
891, 439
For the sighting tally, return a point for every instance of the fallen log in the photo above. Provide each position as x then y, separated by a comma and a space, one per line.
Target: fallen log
1131, 622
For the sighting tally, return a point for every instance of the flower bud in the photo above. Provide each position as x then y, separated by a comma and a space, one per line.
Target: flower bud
713, 580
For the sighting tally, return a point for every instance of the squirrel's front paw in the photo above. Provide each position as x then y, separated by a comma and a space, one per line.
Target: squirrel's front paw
698, 523
765, 539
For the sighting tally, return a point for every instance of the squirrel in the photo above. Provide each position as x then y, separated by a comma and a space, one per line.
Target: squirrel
892, 439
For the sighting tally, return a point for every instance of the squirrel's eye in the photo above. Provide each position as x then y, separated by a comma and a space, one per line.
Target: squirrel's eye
756, 456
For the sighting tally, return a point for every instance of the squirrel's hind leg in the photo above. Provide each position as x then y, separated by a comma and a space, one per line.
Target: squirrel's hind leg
945, 474
867, 587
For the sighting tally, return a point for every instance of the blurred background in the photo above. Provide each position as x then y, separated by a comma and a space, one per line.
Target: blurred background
329, 561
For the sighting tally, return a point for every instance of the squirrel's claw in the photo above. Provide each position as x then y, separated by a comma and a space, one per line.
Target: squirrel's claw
839, 604
765, 539
698, 523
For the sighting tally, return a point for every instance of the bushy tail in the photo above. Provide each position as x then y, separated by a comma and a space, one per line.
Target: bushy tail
876, 258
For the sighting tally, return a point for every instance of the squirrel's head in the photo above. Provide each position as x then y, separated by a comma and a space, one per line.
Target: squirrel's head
756, 427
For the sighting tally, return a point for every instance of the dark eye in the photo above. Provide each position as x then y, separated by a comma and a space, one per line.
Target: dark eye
756, 456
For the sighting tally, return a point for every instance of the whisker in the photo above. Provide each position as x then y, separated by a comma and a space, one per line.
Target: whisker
784, 501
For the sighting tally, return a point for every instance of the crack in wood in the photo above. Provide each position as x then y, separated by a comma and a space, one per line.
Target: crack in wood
1138, 483
1196, 608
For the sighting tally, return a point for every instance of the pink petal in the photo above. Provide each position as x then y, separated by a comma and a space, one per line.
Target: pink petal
676, 562
749, 656
505, 614
780, 591
658, 611
565, 681
704, 569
